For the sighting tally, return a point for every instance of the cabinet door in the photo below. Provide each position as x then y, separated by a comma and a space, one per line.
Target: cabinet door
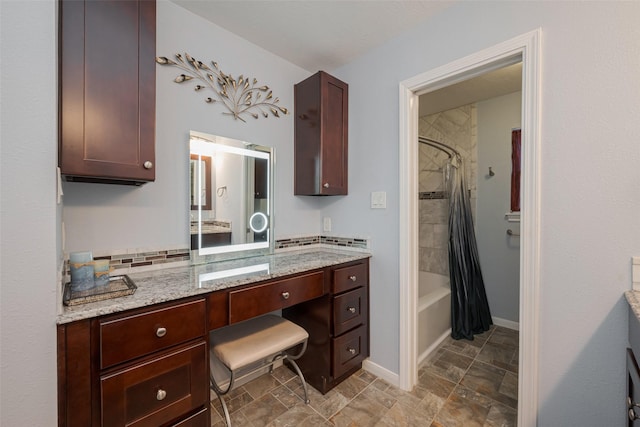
107, 90
155, 392
334, 144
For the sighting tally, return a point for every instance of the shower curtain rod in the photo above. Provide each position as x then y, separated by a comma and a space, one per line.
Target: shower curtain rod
439, 146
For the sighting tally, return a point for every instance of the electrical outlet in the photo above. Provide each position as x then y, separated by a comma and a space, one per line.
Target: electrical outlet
326, 223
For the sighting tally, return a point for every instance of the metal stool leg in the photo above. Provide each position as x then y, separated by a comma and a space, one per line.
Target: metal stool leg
227, 417
304, 383
219, 392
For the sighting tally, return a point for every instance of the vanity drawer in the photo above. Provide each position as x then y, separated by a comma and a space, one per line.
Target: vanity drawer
349, 350
349, 310
256, 300
125, 338
157, 391
350, 277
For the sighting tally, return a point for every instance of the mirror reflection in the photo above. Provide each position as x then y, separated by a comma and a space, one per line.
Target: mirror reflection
230, 195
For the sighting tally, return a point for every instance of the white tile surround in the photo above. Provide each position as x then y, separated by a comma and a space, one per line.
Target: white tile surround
458, 128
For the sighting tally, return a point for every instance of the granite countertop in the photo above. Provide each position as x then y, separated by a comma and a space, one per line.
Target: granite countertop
210, 229
633, 298
180, 282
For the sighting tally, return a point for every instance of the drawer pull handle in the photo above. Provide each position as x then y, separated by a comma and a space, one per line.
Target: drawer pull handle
352, 278
285, 295
632, 415
351, 350
161, 394
160, 332
351, 309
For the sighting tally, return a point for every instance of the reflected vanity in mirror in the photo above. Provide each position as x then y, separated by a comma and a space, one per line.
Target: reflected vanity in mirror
231, 198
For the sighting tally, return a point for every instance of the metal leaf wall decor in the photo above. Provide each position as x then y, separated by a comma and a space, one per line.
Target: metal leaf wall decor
240, 96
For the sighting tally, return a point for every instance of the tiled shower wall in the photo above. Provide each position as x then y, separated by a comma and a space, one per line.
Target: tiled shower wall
456, 128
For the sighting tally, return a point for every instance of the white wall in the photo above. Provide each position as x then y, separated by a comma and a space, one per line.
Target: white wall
589, 190
499, 252
105, 217
28, 213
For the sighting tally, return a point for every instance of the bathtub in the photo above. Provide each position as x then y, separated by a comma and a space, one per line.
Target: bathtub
434, 312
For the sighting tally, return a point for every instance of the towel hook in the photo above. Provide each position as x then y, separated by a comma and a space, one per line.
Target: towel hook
221, 190
491, 172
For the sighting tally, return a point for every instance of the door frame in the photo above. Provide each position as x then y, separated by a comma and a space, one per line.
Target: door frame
526, 48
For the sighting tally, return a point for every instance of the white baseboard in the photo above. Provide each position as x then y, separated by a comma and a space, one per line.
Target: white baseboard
380, 372
509, 324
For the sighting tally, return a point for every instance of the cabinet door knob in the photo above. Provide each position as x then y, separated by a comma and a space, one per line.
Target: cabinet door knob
285, 295
147, 164
632, 415
351, 309
325, 185
161, 394
352, 278
351, 350
160, 332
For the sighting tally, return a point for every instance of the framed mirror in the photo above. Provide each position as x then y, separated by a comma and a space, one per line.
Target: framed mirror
231, 198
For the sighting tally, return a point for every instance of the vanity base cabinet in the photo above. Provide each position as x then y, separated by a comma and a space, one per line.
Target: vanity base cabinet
144, 367
149, 366
338, 327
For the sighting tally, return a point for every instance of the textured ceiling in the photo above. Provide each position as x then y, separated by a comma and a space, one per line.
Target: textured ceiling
316, 34
325, 34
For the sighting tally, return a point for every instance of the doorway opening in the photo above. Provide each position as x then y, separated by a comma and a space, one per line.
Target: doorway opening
523, 49
465, 131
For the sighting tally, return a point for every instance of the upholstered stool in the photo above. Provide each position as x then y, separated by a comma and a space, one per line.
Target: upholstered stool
241, 349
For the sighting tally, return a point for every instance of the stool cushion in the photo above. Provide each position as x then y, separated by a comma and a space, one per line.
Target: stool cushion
247, 342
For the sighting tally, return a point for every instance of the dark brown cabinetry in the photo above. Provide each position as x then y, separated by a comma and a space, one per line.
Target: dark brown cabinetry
321, 136
107, 90
149, 366
146, 367
338, 326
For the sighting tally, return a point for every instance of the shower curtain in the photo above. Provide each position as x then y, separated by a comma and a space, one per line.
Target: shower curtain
469, 306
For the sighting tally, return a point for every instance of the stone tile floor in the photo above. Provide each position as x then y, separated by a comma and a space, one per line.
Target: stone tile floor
463, 383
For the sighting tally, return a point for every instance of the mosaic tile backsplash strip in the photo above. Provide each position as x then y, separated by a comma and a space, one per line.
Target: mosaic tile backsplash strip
163, 258
345, 242
142, 259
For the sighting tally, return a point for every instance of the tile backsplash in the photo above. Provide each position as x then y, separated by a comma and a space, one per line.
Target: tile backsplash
342, 242
124, 261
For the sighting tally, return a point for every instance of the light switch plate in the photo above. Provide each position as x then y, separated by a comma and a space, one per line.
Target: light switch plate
379, 200
326, 223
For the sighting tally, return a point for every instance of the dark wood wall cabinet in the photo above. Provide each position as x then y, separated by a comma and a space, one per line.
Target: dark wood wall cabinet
149, 366
321, 136
107, 90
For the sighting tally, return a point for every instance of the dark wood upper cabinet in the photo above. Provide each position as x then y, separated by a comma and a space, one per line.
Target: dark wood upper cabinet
107, 90
321, 132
